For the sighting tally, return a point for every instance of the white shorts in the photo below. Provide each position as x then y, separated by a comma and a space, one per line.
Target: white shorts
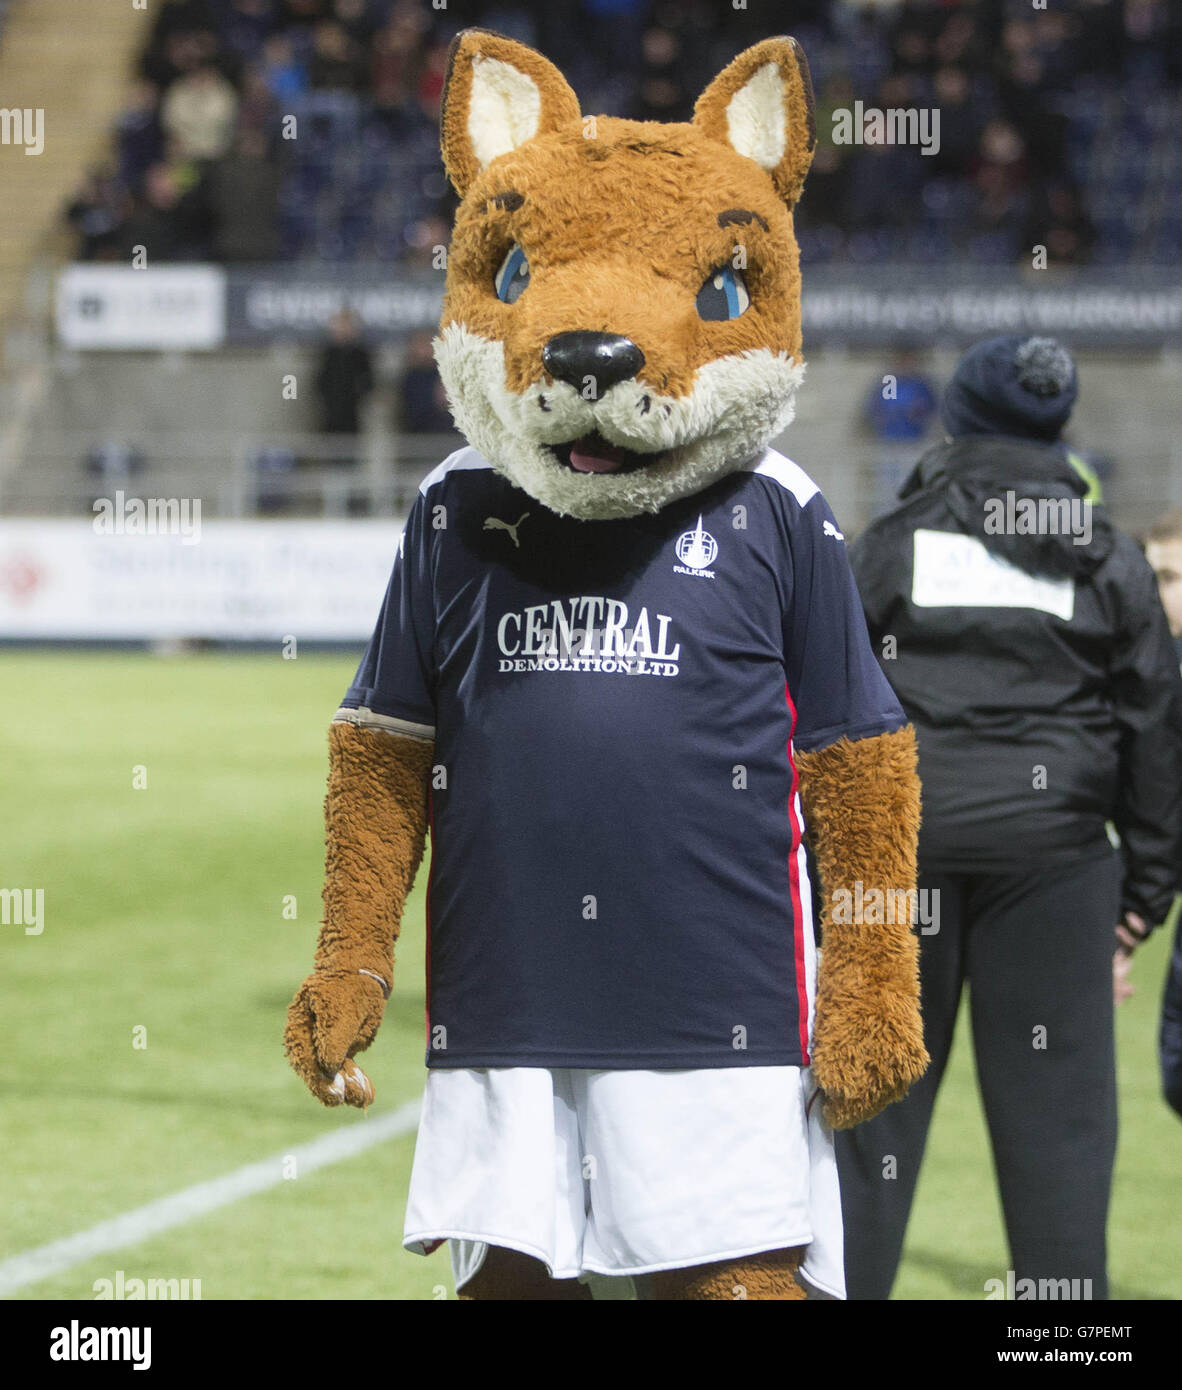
625, 1172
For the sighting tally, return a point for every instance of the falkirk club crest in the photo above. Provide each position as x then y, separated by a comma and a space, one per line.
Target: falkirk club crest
696, 550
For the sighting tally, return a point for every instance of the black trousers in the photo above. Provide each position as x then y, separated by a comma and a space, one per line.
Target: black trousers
1036, 952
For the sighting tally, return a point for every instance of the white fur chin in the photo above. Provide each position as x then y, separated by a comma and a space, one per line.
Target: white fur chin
737, 406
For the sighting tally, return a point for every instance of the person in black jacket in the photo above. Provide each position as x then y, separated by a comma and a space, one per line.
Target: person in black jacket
344, 376
1025, 640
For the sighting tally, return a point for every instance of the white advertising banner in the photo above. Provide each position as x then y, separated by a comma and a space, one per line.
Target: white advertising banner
164, 307
256, 581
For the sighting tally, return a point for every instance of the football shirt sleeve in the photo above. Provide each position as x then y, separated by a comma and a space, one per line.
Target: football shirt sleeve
834, 682
395, 682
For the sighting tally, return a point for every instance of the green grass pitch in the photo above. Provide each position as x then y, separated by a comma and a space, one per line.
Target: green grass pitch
164, 911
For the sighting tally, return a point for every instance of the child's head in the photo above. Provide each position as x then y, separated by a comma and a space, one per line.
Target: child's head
1163, 549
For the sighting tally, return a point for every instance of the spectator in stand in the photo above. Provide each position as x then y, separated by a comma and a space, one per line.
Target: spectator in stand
1025, 89
912, 42
302, 12
429, 89
171, 218
819, 222
274, 468
423, 240
176, 51
335, 64
245, 25
112, 464
395, 58
900, 407
138, 133
198, 113
285, 75
958, 43
959, 122
353, 16
1059, 223
1149, 27
421, 399
662, 95
886, 178
344, 377
897, 412
244, 201
96, 213
1000, 178
1004, 84
256, 106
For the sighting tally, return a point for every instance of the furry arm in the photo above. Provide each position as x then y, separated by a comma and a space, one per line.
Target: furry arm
861, 807
375, 822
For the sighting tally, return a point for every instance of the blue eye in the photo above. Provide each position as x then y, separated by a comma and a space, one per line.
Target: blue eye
513, 276
724, 295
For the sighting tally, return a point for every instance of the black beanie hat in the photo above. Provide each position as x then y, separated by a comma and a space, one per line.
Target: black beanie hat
1011, 385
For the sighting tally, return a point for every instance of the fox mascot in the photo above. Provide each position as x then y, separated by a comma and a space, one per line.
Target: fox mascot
620, 667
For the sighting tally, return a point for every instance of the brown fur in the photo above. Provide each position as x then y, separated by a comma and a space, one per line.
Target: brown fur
376, 822
861, 806
508, 1275
787, 54
622, 226
768, 1276
559, 103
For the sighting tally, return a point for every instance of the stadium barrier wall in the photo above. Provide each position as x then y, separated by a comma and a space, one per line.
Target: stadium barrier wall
115, 579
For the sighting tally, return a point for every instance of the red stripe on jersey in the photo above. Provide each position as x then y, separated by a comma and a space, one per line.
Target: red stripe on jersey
430, 881
802, 995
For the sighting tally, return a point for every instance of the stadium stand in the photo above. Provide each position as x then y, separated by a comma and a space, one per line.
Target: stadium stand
1056, 129
1060, 120
86, 81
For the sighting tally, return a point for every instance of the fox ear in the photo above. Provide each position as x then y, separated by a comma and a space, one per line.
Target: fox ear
761, 105
497, 95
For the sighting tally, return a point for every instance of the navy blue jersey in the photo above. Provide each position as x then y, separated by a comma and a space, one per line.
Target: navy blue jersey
617, 878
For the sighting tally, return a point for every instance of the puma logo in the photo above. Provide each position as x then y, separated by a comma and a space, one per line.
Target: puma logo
494, 523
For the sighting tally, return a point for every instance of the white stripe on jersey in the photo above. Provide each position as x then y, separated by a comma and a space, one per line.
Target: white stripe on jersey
807, 927
788, 474
468, 457
772, 464
365, 718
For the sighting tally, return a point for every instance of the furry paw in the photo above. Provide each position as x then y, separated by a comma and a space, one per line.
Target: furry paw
352, 1085
334, 1015
861, 1070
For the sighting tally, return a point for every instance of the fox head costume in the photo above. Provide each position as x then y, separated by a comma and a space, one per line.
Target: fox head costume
621, 323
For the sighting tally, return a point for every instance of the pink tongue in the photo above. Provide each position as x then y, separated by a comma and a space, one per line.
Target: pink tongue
592, 463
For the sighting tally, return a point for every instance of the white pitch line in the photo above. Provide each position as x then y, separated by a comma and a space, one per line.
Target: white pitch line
31, 1266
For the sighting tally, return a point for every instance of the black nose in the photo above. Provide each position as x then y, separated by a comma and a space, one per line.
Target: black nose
592, 362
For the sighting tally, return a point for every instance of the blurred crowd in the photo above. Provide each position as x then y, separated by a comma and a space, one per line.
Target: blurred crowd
1056, 126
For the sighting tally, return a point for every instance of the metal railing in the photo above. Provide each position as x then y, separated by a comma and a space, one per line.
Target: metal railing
234, 475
